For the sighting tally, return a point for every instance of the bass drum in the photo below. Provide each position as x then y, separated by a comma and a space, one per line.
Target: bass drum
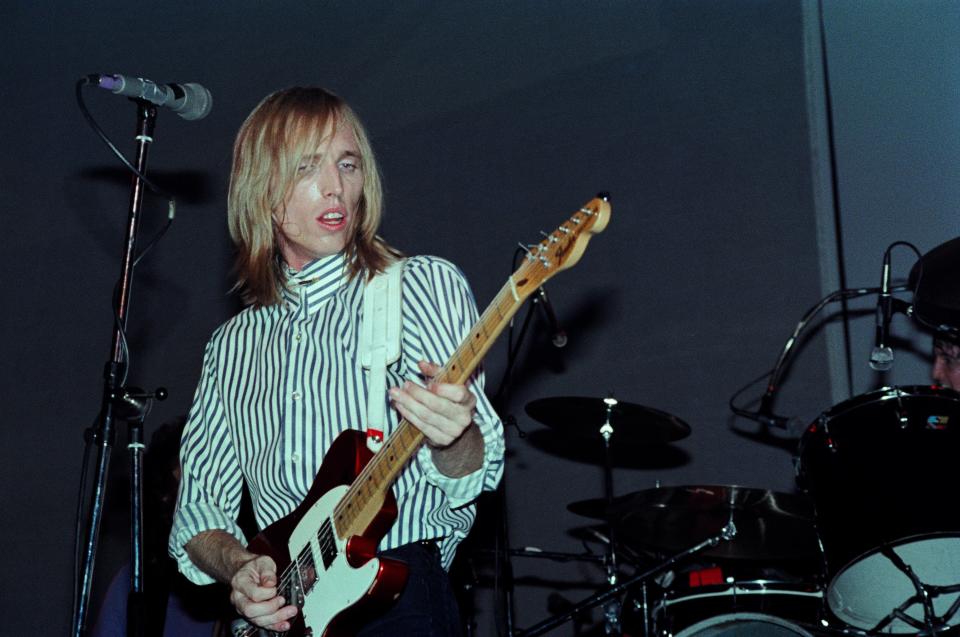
761, 608
882, 469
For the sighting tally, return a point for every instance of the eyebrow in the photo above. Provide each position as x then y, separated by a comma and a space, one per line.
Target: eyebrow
318, 156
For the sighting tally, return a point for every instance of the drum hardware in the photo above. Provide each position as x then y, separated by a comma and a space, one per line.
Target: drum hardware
925, 594
764, 413
727, 533
879, 468
578, 417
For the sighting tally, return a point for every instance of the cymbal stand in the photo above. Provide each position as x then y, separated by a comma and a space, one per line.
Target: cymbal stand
925, 594
725, 534
611, 611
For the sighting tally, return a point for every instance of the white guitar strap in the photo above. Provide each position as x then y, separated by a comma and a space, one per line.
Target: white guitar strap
380, 344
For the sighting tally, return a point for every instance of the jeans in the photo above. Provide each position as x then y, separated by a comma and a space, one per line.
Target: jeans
427, 607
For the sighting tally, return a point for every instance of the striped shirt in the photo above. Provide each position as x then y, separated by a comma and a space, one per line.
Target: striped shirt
280, 383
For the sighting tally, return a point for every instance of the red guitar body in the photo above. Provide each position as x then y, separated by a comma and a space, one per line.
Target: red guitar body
311, 574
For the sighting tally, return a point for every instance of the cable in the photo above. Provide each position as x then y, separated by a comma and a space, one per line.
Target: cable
106, 140
774, 375
171, 214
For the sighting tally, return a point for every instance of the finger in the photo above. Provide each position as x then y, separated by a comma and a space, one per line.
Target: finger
257, 579
432, 370
450, 401
437, 436
441, 424
278, 620
258, 610
455, 393
429, 369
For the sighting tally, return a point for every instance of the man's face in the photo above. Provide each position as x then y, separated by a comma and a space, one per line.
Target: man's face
321, 210
946, 364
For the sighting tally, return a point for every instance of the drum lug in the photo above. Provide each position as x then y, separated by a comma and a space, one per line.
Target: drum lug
825, 425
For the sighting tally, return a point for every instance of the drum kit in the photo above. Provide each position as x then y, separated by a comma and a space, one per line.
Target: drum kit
868, 545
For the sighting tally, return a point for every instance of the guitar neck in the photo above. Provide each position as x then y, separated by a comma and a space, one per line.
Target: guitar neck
380, 473
561, 249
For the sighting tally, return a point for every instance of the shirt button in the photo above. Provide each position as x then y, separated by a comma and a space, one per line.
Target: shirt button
295, 458
296, 337
295, 395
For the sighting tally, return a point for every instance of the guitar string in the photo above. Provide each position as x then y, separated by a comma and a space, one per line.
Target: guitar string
376, 463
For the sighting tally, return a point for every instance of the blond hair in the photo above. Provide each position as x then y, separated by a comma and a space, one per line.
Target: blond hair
283, 128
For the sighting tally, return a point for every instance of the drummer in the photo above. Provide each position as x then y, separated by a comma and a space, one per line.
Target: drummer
946, 362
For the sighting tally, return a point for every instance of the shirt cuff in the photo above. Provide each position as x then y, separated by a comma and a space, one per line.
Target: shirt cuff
190, 520
465, 489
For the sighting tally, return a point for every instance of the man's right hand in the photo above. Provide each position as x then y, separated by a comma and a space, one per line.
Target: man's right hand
252, 578
254, 595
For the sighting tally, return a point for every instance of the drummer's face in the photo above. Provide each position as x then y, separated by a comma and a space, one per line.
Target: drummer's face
946, 364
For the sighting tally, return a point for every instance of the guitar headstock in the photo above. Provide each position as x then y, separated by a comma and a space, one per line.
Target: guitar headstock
562, 248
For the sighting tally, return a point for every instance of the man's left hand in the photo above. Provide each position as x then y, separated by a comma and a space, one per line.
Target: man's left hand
442, 411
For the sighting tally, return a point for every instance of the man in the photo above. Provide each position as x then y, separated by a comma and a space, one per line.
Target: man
946, 363
282, 379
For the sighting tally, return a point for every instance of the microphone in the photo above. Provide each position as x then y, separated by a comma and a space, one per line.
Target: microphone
557, 336
881, 357
189, 101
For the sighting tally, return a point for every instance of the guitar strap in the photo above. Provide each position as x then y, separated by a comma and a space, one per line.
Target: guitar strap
380, 344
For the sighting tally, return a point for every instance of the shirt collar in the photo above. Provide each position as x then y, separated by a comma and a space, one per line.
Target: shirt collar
316, 283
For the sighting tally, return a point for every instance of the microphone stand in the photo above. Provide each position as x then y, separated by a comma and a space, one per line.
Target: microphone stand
113, 399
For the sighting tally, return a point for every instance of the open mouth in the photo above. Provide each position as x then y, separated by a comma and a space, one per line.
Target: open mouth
332, 219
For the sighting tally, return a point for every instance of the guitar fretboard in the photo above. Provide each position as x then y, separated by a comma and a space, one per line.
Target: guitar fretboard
542, 261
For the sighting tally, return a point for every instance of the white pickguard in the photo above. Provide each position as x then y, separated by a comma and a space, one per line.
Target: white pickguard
338, 586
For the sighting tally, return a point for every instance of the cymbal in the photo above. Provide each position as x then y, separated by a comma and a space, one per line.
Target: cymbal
770, 525
582, 417
595, 508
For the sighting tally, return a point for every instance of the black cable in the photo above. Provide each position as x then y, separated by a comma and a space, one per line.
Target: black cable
106, 140
907, 244
740, 411
171, 214
775, 374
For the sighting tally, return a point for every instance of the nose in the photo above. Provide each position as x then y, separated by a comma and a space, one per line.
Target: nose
331, 182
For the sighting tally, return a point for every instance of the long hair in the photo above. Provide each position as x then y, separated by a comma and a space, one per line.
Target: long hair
283, 128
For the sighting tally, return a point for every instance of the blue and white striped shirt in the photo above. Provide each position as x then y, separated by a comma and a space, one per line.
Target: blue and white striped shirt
280, 383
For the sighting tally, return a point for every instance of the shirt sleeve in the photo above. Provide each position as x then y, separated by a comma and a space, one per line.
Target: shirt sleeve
439, 311
210, 483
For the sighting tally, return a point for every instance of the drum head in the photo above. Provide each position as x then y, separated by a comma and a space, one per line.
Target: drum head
744, 625
868, 590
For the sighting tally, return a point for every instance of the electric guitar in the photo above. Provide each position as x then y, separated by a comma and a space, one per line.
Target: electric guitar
325, 550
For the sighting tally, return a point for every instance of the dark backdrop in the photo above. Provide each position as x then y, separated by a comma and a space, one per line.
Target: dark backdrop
492, 121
